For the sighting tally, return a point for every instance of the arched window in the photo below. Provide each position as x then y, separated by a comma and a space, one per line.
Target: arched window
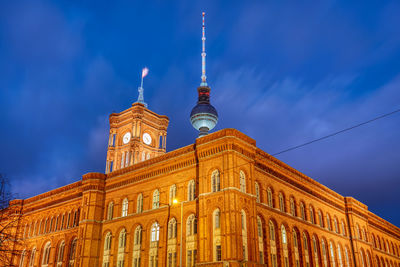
242, 181
362, 258
148, 156
217, 256
296, 249
315, 251
328, 222
343, 228
51, 224
274, 259
369, 259
358, 231
257, 187
143, 156
306, 251
72, 253
139, 204
244, 235
346, 255
110, 210
46, 254
324, 255
364, 236
156, 199
217, 222
191, 225
107, 242
137, 241
124, 207
281, 202
215, 181
302, 212
22, 260
271, 231
270, 202
172, 228
138, 235
284, 246
121, 248
320, 220
312, 215
339, 254
60, 254
56, 226
122, 239
336, 225
292, 207
155, 232
332, 252
191, 190
172, 194
32, 258
260, 240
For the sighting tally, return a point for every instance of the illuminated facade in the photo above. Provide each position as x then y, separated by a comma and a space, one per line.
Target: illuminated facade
235, 205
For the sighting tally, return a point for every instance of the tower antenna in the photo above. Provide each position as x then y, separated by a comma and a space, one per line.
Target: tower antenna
145, 71
203, 56
204, 116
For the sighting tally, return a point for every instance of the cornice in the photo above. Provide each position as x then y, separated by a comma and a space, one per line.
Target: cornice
53, 192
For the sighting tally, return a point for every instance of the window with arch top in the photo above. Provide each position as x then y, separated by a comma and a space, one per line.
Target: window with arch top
124, 207
122, 239
217, 219
46, 254
139, 204
281, 202
156, 199
269, 195
257, 188
137, 240
172, 228
172, 193
191, 190
155, 232
191, 225
215, 181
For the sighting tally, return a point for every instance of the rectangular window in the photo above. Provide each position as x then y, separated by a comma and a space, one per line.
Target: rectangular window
111, 166
170, 260
113, 140
194, 256
218, 253
189, 258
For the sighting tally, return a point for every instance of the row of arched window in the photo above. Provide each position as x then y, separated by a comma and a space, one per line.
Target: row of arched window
305, 213
29, 257
191, 195
191, 230
384, 245
52, 224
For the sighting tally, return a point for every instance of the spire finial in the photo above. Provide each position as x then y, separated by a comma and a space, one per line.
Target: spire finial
203, 56
145, 71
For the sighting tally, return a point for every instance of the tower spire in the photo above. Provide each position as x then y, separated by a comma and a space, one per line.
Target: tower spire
204, 116
203, 56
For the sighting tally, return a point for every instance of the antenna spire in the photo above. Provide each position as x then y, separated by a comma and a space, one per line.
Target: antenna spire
203, 56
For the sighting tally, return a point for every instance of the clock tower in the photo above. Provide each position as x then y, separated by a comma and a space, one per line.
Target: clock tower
136, 134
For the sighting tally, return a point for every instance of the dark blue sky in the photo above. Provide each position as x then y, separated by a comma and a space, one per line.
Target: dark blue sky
282, 73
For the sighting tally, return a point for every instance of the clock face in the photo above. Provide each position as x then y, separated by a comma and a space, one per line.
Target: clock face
146, 138
126, 138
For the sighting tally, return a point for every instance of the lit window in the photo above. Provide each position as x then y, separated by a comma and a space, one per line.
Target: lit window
191, 190
217, 219
155, 232
172, 228
124, 207
172, 194
156, 199
60, 254
46, 255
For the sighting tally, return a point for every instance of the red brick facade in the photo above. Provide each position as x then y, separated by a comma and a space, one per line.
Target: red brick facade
237, 206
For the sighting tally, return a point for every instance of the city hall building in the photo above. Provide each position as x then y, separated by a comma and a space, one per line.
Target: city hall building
220, 201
